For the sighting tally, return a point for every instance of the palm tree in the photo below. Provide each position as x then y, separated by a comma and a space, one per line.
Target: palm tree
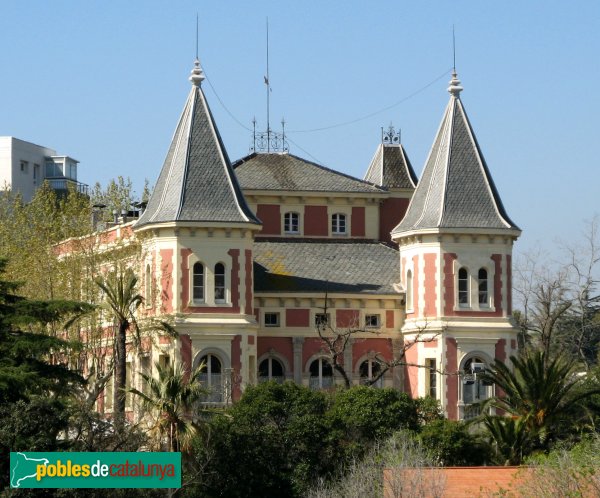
172, 398
121, 300
542, 393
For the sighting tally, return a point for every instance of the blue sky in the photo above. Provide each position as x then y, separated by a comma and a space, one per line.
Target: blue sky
105, 82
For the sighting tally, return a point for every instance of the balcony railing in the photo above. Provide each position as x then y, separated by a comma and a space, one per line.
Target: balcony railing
63, 184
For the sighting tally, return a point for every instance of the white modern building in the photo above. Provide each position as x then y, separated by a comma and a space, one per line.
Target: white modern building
25, 166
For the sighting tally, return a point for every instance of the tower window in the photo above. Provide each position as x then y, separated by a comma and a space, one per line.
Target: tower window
430, 366
409, 290
482, 277
291, 223
338, 223
463, 287
211, 378
198, 282
219, 283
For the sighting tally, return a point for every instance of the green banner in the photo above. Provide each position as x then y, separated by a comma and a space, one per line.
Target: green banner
95, 470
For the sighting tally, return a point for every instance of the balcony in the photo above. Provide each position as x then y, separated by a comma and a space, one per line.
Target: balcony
62, 185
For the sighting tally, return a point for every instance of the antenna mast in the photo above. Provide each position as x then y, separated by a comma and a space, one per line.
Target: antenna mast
453, 50
268, 92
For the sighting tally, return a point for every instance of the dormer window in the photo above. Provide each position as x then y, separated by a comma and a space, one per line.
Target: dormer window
291, 223
338, 224
198, 282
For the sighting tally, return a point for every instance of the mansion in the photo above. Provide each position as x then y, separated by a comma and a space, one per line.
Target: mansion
250, 257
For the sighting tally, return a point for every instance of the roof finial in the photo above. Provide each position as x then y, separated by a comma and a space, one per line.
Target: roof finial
197, 75
455, 87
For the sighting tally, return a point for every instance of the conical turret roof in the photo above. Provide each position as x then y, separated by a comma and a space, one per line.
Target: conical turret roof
197, 182
390, 167
456, 190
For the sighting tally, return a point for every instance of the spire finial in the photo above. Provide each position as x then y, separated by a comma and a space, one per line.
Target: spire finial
197, 75
455, 87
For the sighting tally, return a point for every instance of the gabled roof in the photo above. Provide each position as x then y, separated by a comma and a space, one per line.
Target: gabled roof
313, 265
197, 182
284, 172
456, 189
390, 168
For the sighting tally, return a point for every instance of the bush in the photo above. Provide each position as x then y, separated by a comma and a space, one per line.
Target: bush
450, 444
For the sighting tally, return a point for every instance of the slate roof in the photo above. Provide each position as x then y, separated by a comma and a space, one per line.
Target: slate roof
390, 168
197, 182
284, 171
456, 189
316, 265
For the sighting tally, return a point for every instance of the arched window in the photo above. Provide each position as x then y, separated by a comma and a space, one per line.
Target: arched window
291, 223
271, 369
219, 283
482, 278
211, 378
321, 374
409, 290
368, 370
338, 223
198, 282
474, 389
463, 287
148, 287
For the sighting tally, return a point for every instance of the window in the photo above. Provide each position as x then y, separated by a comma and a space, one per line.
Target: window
482, 278
24, 167
128, 385
430, 366
271, 319
409, 290
372, 321
321, 319
338, 223
474, 389
36, 171
368, 370
321, 374
148, 283
198, 283
164, 360
290, 223
145, 369
211, 378
463, 287
108, 394
219, 283
271, 369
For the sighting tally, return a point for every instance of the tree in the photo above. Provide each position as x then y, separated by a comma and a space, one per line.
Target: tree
121, 300
544, 394
172, 398
336, 340
560, 302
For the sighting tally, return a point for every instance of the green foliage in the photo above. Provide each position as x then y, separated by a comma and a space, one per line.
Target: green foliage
546, 398
361, 415
170, 399
451, 444
280, 438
